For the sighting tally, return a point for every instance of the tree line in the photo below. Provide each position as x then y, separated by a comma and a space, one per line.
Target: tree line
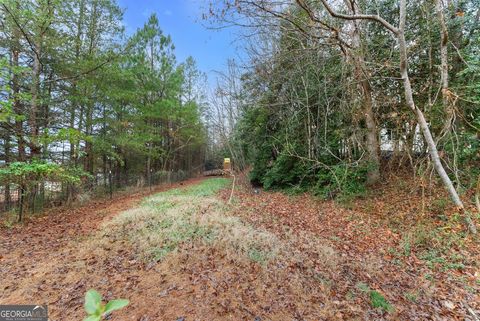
334, 89
80, 97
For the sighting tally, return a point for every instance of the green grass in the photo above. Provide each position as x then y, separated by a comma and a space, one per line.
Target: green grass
377, 300
258, 255
207, 187
412, 296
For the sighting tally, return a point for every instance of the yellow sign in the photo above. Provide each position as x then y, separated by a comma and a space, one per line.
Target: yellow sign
226, 160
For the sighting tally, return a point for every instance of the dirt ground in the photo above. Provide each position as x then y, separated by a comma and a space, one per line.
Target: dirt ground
36, 256
334, 259
369, 252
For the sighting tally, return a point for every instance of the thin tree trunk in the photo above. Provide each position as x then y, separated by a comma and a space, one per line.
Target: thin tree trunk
444, 68
74, 104
17, 106
88, 163
7, 196
32, 121
21, 202
432, 148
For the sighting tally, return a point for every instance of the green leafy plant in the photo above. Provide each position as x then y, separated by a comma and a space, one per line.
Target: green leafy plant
343, 182
27, 175
30, 173
96, 309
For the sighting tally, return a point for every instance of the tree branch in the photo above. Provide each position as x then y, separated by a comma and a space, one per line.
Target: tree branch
372, 17
32, 47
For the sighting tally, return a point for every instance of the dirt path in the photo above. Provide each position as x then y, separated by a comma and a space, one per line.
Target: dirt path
330, 262
52, 242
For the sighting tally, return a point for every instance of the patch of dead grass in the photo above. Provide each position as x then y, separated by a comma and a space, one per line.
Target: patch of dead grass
163, 224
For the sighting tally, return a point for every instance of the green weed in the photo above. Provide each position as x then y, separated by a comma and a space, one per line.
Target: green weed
96, 310
412, 296
259, 256
378, 301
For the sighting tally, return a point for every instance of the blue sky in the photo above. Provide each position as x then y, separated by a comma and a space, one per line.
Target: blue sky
181, 19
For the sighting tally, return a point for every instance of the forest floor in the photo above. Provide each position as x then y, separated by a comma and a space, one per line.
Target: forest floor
183, 253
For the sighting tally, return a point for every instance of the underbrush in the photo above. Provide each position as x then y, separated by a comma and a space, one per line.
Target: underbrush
168, 221
8, 219
342, 182
427, 224
441, 248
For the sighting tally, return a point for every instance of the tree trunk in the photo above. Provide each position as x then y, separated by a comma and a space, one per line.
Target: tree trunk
362, 78
7, 196
32, 121
17, 106
88, 162
74, 104
432, 148
444, 69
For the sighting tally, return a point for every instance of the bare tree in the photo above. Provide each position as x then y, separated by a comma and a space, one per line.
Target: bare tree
399, 33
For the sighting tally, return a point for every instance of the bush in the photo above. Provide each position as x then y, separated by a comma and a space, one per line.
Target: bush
287, 171
343, 180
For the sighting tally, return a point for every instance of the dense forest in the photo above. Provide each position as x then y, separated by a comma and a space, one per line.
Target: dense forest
336, 94
83, 104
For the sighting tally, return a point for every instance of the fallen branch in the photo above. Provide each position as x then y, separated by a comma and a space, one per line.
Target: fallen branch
233, 187
477, 195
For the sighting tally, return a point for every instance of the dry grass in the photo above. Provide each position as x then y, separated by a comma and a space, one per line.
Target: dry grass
193, 247
167, 221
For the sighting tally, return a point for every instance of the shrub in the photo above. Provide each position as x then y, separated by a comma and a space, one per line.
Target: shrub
286, 171
343, 180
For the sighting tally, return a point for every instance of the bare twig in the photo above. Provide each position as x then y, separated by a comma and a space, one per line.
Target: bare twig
233, 188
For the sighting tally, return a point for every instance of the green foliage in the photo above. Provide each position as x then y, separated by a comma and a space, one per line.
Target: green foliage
342, 180
286, 171
292, 135
284, 165
30, 173
303, 121
252, 131
102, 100
5, 103
96, 310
